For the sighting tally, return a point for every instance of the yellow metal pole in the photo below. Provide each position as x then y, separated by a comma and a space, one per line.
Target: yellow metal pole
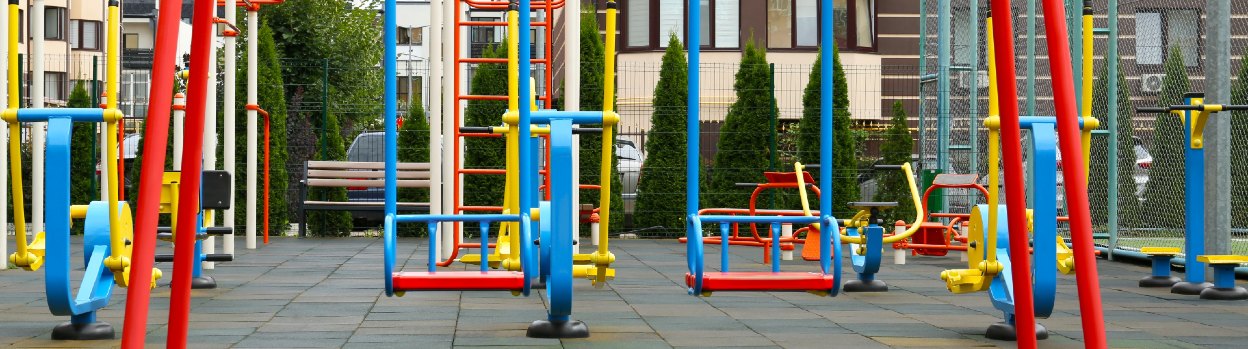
1089, 123
23, 258
119, 260
609, 119
993, 123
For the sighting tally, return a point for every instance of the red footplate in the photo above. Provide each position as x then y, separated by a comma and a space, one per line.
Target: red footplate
763, 281
459, 281
930, 234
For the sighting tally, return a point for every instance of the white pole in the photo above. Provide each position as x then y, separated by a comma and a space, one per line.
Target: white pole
572, 102
435, 123
179, 119
210, 142
230, 109
4, 141
786, 232
449, 107
253, 30
38, 133
899, 255
965, 255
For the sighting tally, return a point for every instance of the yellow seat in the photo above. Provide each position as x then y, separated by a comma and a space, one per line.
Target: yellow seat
1223, 259
1160, 251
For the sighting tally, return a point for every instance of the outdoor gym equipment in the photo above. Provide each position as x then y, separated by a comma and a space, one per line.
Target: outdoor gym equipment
865, 236
1160, 258
210, 199
553, 219
1013, 293
1224, 278
108, 231
774, 180
1195, 113
702, 282
939, 237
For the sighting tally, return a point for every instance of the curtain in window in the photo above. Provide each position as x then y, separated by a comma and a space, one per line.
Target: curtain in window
779, 24
90, 35
1184, 33
727, 23
671, 20
639, 23
865, 21
73, 33
705, 21
1148, 40
807, 23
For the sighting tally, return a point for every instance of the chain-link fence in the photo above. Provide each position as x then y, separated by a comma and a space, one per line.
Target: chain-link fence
1159, 56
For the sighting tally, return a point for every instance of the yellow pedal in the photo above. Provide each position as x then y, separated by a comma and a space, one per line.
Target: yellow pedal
37, 247
590, 271
964, 280
1065, 257
475, 259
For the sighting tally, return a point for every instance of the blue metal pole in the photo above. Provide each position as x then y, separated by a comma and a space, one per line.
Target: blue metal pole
391, 107
827, 71
1194, 204
526, 146
692, 115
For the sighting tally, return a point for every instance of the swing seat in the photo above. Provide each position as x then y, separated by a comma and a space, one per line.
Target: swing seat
763, 281
459, 281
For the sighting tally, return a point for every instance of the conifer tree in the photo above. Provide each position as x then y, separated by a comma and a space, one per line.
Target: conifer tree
1128, 201
1164, 194
743, 154
844, 153
82, 147
414, 147
893, 186
661, 187
487, 79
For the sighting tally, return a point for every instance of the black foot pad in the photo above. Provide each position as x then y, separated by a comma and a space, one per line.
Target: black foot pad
1006, 332
1159, 281
1224, 294
203, 283
1189, 288
83, 332
566, 329
860, 286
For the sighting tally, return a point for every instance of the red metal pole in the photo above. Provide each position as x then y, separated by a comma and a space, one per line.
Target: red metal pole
1076, 185
192, 158
1012, 154
266, 175
155, 139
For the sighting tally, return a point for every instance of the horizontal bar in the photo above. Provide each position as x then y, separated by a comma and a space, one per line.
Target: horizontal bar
494, 24
928, 78
1100, 132
960, 68
499, 60
758, 219
425, 218
960, 147
493, 171
1100, 31
75, 114
1027, 121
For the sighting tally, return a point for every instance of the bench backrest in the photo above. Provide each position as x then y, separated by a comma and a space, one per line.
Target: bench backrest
364, 174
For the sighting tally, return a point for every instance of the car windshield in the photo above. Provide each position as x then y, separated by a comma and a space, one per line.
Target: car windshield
368, 147
627, 152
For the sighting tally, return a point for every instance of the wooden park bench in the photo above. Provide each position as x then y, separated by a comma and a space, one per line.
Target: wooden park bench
356, 176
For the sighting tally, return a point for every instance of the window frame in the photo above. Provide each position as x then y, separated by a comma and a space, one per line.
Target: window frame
850, 44
125, 41
63, 20
79, 31
1165, 36
61, 88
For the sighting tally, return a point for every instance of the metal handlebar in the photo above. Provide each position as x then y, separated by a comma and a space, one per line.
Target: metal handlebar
888, 167
477, 129
1194, 107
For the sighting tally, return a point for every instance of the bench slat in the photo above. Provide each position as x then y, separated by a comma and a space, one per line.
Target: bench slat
363, 203
340, 174
365, 183
350, 165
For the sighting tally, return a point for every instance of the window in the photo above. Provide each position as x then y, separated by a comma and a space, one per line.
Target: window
54, 25
54, 86
403, 35
795, 24
418, 36
480, 37
130, 41
720, 23
85, 35
1157, 32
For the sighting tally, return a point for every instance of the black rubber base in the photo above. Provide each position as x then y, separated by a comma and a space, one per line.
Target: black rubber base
85, 332
203, 283
1006, 332
860, 286
1224, 294
1159, 281
1189, 288
566, 329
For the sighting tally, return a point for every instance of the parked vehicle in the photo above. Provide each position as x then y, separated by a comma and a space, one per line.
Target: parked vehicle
367, 147
629, 166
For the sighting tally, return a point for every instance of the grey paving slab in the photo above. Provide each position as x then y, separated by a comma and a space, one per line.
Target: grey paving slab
325, 293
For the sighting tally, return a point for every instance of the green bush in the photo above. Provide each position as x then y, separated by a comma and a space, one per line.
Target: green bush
661, 187
743, 154
1164, 194
1239, 153
272, 97
487, 79
844, 153
893, 186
